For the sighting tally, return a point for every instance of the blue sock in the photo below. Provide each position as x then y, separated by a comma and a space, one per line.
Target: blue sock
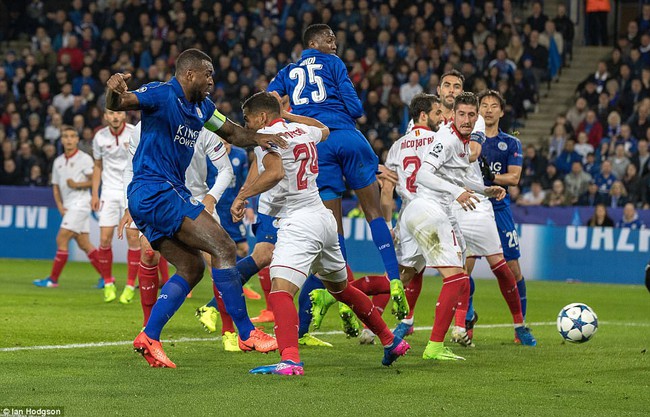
171, 297
521, 286
228, 282
342, 245
470, 307
304, 303
247, 268
213, 303
384, 242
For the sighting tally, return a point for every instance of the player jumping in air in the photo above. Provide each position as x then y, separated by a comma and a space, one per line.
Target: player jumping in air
318, 86
176, 224
307, 240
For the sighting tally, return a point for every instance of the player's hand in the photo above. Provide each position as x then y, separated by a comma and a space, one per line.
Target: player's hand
126, 219
268, 141
117, 83
209, 202
468, 200
385, 174
487, 173
238, 209
94, 203
496, 192
71, 183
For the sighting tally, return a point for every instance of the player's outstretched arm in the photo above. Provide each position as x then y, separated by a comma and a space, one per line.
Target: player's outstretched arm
238, 136
273, 174
118, 98
309, 121
509, 178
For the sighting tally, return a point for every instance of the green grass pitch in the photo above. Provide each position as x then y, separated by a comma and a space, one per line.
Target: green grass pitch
608, 376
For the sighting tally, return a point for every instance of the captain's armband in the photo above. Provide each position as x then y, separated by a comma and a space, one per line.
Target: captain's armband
215, 121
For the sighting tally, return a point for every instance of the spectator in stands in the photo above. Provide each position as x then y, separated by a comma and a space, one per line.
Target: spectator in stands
557, 141
36, 177
599, 78
630, 100
410, 89
565, 26
567, 157
577, 181
604, 108
533, 166
64, 100
592, 165
583, 147
606, 178
630, 218
590, 93
617, 195
537, 20
534, 197
10, 174
591, 197
641, 158
549, 176
552, 40
539, 56
640, 120
592, 127
557, 196
600, 218
619, 161
633, 184
515, 194
577, 113
597, 11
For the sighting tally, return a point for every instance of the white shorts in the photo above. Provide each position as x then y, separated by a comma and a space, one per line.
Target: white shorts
406, 248
436, 233
111, 210
76, 220
479, 229
308, 242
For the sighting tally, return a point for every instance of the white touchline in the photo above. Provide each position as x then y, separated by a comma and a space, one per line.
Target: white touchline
212, 339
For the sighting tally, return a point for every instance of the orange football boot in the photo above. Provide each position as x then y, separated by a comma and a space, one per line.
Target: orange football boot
266, 316
259, 341
153, 352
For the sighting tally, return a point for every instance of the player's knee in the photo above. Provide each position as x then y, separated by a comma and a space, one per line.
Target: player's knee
105, 242
148, 257
193, 270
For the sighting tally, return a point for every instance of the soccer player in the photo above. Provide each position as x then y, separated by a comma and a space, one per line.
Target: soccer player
306, 238
503, 160
71, 182
111, 153
429, 221
318, 86
173, 114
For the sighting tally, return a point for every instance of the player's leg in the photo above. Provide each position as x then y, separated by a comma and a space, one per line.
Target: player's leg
163, 270
258, 262
133, 265
63, 238
83, 240
511, 251
305, 313
148, 276
205, 234
105, 253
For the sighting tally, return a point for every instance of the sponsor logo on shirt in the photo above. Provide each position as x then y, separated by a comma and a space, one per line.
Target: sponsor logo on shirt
186, 136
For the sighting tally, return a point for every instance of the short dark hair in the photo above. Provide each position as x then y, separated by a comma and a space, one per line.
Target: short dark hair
421, 102
466, 98
261, 101
313, 31
65, 128
191, 59
453, 73
494, 94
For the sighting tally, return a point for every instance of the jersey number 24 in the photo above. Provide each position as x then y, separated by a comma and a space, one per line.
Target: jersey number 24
307, 75
306, 154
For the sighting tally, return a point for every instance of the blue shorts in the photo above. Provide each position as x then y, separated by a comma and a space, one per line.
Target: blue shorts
158, 209
236, 231
265, 229
507, 233
345, 157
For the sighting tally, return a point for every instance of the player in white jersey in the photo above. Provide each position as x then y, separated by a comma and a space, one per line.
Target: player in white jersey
307, 237
428, 219
111, 152
71, 182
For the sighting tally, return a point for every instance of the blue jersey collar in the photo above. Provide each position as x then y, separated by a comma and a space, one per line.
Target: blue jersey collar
311, 52
178, 90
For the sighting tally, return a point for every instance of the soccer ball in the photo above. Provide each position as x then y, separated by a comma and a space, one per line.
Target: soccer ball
577, 323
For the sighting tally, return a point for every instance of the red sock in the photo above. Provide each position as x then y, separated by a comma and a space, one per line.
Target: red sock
93, 256
463, 304
350, 273
60, 259
452, 288
366, 311
373, 284
508, 287
381, 301
105, 256
412, 291
227, 324
133, 265
163, 268
148, 288
286, 324
265, 282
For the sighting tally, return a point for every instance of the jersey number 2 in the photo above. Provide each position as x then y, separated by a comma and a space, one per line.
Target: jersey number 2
410, 181
310, 157
303, 76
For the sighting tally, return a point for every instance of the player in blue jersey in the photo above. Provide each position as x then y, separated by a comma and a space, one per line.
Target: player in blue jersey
502, 156
318, 86
173, 114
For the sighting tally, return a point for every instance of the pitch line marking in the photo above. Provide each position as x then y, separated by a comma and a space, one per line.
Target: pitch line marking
213, 339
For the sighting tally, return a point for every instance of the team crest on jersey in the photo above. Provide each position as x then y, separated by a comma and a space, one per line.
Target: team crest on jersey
194, 201
236, 162
502, 146
199, 112
276, 223
141, 89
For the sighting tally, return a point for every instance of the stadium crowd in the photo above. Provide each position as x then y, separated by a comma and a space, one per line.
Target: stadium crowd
597, 152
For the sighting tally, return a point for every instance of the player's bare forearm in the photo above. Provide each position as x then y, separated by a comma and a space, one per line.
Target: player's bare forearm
253, 173
57, 197
238, 136
97, 175
386, 200
121, 102
309, 121
509, 178
475, 151
273, 174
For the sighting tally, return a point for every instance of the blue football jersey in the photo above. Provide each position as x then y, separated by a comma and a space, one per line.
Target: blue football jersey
500, 152
170, 128
318, 86
239, 160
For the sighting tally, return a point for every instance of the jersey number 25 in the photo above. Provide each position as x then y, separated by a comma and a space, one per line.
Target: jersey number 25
303, 76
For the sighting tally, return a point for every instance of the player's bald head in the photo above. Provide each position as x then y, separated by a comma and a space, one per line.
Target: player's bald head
191, 59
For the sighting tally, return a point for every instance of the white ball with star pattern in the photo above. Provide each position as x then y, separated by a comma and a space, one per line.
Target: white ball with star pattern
577, 323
